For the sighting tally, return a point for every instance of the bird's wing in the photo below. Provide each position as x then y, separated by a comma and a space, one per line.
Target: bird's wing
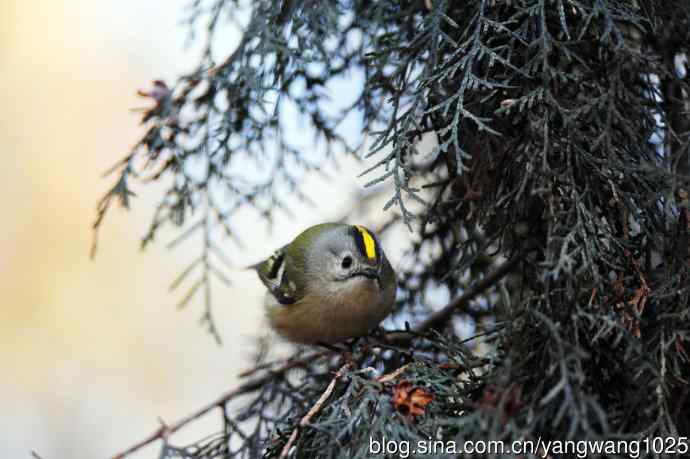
272, 273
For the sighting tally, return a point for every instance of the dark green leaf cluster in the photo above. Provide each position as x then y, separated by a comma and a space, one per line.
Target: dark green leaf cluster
560, 136
362, 406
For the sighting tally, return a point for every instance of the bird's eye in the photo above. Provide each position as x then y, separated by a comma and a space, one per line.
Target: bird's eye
347, 262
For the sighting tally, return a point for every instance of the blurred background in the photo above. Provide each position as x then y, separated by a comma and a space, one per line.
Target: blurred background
93, 352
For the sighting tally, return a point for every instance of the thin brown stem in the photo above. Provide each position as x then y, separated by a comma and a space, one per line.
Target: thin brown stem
439, 318
250, 386
434, 321
295, 362
313, 411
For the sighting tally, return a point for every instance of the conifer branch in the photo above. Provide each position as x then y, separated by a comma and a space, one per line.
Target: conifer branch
313, 411
166, 430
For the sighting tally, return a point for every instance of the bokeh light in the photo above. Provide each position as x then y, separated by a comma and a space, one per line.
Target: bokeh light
92, 352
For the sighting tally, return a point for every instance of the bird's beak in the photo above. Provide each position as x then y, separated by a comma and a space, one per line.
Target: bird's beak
371, 273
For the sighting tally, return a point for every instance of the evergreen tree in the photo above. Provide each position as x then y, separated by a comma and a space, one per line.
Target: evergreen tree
552, 205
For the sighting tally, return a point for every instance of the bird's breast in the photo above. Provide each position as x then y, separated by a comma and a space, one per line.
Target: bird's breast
333, 316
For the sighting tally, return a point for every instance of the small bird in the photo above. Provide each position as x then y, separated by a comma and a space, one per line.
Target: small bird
333, 282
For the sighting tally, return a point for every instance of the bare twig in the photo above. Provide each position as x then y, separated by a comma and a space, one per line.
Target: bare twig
250, 386
165, 430
288, 361
393, 374
434, 321
439, 318
313, 411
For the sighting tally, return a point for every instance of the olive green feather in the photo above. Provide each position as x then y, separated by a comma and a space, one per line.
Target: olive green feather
282, 273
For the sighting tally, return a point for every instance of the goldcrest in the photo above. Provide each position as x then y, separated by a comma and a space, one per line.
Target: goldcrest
331, 283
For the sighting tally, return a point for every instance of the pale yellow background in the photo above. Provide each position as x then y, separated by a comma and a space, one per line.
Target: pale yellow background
91, 352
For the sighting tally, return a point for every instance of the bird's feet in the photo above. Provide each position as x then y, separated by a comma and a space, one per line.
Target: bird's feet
345, 353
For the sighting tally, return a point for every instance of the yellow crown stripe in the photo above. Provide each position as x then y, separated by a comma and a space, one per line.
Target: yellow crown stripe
369, 243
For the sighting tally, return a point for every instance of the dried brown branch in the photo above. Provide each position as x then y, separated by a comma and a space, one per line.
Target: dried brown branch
434, 321
250, 386
165, 430
439, 318
313, 411
290, 360
393, 374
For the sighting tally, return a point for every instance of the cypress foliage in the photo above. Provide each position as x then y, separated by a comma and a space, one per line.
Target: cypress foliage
553, 207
